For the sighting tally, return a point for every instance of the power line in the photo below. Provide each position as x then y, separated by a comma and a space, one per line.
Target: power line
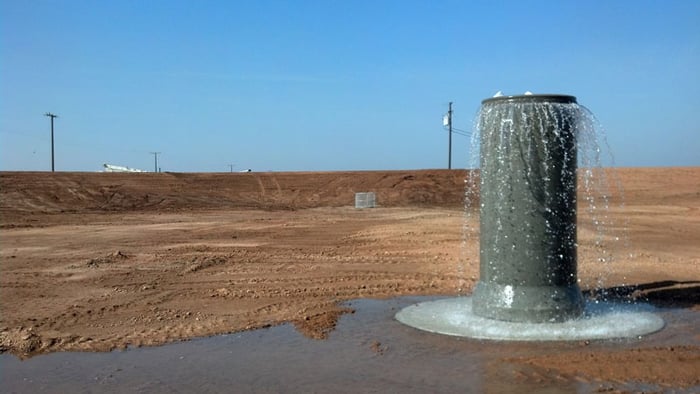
462, 131
52, 116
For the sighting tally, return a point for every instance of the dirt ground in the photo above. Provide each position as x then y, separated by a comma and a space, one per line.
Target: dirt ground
98, 261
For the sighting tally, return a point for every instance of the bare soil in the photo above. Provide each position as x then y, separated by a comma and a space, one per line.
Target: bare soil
98, 261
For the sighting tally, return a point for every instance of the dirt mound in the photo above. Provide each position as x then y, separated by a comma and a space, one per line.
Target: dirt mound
98, 192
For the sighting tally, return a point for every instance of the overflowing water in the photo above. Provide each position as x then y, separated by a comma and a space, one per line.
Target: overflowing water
601, 320
542, 175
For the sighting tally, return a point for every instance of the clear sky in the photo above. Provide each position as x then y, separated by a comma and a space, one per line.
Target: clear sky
294, 85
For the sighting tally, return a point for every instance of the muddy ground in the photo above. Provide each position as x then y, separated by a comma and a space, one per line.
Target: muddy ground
98, 261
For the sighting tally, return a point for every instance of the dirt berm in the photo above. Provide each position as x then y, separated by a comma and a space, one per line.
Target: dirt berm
83, 192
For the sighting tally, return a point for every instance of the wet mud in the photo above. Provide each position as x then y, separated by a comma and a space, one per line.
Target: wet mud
369, 351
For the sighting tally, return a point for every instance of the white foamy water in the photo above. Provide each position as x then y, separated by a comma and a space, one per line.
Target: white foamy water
601, 320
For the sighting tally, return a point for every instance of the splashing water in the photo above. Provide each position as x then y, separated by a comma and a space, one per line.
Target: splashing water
529, 147
596, 185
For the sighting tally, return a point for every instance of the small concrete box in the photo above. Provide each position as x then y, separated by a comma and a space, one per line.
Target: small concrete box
365, 200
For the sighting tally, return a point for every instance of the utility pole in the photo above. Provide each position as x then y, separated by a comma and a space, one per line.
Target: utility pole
231, 166
449, 145
52, 116
156, 157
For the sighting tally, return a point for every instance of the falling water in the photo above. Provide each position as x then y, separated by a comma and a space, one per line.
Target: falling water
596, 184
531, 151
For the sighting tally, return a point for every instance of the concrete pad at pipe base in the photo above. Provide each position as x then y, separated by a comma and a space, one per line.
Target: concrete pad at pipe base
600, 320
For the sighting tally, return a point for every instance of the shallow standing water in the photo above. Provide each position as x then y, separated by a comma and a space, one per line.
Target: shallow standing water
368, 352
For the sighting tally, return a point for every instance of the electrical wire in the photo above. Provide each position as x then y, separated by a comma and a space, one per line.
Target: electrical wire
463, 133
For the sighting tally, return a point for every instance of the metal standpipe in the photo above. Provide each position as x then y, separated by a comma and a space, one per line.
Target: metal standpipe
528, 210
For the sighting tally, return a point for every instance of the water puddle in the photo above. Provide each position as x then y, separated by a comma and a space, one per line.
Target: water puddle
369, 351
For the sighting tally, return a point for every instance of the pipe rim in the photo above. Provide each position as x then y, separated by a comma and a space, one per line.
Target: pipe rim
532, 98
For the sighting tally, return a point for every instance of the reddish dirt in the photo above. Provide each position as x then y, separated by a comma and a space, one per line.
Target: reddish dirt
97, 261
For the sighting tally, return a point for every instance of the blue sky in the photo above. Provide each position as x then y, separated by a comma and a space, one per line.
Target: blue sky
332, 85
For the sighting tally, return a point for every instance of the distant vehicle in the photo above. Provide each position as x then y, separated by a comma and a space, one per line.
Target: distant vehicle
113, 168
248, 170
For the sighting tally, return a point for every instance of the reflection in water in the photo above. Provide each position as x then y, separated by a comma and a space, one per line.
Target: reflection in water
369, 351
